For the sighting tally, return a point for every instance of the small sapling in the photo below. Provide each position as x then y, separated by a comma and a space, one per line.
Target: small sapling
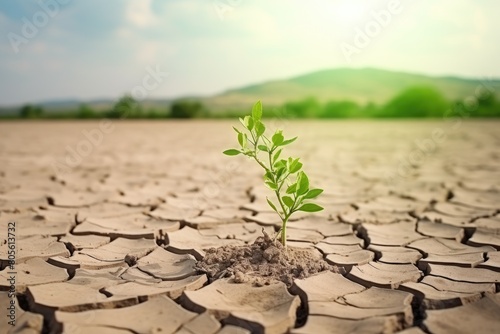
284, 177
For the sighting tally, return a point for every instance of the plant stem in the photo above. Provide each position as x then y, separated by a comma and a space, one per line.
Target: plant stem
260, 163
283, 231
270, 153
286, 215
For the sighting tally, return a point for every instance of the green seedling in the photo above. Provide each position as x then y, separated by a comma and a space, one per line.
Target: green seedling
283, 176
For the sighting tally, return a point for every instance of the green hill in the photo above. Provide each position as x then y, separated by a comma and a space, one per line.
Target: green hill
358, 85
336, 93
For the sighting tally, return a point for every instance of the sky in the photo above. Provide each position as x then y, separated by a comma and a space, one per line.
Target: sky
91, 49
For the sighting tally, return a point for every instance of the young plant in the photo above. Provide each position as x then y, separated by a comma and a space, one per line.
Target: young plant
283, 176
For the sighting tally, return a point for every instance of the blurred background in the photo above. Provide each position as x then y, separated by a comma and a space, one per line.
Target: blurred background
215, 58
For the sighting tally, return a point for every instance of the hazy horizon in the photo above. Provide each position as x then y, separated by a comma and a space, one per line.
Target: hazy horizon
111, 98
91, 50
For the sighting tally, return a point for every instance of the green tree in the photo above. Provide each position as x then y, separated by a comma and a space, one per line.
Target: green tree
125, 107
417, 102
30, 111
488, 106
370, 110
308, 107
486, 98
84, 111
185, 109
155, 113
341, 109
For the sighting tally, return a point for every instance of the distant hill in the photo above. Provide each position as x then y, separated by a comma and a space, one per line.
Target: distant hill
359, 85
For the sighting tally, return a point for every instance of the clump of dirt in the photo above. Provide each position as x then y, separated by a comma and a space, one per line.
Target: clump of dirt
262, 263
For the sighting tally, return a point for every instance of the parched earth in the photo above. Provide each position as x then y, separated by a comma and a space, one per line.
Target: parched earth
111, 219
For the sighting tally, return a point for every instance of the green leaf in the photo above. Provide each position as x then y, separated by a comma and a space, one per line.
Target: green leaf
310, 207
288, 201
313, 193
271, 185
242, 121
279, 164
259, 128
276, 155
303, 184
257, 111
237, 131
279, 172
232, 152
278, 137
269, 176
294, 166
248, 123
242, 139
291, 188
271, 204
288, 141
263, 148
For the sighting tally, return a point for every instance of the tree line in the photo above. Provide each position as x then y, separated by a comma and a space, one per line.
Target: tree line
414, 102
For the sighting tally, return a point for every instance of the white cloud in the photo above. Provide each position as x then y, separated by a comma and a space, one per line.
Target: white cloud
140, 14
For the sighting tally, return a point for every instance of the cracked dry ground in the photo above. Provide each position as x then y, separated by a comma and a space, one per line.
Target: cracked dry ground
110, 247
